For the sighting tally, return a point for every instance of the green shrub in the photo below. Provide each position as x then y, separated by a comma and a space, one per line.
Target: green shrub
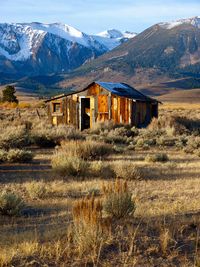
10, 204
118, 202
19, 155
65, 165
159, 157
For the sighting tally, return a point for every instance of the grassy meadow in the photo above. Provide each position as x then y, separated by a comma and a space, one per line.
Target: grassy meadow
110, 196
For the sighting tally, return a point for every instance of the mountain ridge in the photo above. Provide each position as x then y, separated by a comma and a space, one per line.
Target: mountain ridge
25, 47
161, 58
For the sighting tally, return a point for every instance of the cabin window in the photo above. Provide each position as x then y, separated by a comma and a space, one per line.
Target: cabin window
56, 107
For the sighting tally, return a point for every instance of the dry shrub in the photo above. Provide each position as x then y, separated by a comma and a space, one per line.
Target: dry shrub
112, 133
159, 157
127, 170
65, 165
193, 125
8, 105
118, 201
15, 155
10, 204
164, 240
88, 229
3, 155
24, 105
19, 155
169, 124
118, 135
193, 145
37, 190
14, 137
197, 152
46, 135
166, 141
175, 125
102, 169
88, 150
102, 126
111, 138
193, 142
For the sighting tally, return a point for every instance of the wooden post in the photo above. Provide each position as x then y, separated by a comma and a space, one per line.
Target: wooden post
38, 114
18, 112
109, 106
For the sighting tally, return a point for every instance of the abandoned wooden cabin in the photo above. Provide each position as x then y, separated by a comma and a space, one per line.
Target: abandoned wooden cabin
102, 101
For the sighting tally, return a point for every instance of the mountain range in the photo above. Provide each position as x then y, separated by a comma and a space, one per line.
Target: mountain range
160, 59
37, 48
164, 57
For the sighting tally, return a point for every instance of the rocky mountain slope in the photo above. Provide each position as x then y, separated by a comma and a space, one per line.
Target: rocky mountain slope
158, 55
162, 58
36, 48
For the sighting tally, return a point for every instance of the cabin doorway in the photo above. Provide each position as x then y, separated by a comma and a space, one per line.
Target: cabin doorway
84, 113
154, 111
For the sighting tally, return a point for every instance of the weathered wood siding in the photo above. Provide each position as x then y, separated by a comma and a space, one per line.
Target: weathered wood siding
103, 106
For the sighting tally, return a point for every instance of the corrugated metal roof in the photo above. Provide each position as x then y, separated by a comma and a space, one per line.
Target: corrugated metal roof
124, 90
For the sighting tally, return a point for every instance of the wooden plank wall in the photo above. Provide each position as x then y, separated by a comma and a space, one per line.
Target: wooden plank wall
103, 112
103, 106
121, 109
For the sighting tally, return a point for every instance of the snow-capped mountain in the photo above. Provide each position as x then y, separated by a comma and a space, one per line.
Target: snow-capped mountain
45, 48
113, 38
161, 53
195, 21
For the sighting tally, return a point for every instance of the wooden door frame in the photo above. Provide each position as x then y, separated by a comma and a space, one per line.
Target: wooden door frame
80, 109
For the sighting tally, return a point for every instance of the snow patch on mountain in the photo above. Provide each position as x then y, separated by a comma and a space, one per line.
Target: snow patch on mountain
62, 30
19, 41
113, 38
129, 35
195, 21
110, 34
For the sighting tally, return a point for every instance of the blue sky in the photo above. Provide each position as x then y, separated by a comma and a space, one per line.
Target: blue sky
93, 16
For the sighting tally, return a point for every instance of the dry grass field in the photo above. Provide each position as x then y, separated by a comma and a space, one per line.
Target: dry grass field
182, 96
111, 196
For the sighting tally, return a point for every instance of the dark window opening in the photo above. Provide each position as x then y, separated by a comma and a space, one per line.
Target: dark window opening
56, 107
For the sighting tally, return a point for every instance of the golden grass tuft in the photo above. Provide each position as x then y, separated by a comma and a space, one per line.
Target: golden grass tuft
88, 210
89, 231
